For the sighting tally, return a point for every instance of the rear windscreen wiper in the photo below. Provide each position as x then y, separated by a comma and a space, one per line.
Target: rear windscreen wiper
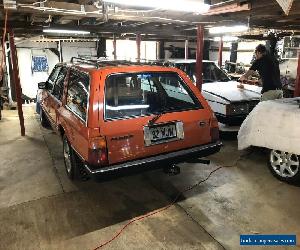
163, 96
157, 116
154, 119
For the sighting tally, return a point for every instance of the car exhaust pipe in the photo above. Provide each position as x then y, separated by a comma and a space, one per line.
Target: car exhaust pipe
172, 170
204, 161
83, 173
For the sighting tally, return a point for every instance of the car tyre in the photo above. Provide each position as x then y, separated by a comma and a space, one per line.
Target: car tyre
43, 119
73, 165
285, 166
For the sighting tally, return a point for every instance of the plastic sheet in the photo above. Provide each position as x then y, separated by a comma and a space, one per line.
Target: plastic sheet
273, 124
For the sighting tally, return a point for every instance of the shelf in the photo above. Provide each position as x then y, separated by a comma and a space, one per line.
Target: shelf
290, 58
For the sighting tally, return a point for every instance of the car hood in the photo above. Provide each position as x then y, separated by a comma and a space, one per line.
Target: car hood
230, 92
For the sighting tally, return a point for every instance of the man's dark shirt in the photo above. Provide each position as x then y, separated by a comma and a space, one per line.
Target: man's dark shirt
269, 72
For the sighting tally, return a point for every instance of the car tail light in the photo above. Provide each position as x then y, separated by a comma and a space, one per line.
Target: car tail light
214, 133
214, 129
98, 152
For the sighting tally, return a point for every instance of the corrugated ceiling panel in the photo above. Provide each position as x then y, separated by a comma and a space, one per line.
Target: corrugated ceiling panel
286, 5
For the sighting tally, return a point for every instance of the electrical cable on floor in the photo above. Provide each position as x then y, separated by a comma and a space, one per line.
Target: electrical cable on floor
171, 204
156, 211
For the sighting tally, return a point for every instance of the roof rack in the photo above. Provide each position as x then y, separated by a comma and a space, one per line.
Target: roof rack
102, 62
83, 60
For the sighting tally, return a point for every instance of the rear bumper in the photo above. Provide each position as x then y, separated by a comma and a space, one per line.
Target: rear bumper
227, 128
153, 161
233, 120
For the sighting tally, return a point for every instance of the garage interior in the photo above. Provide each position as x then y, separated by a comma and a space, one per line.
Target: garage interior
40, 208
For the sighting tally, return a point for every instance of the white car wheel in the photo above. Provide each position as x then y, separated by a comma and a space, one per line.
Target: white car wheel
285, 166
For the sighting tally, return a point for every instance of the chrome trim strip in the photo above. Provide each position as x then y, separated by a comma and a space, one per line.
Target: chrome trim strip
79, 155
74, 113
222, 97
52, 122
152, 159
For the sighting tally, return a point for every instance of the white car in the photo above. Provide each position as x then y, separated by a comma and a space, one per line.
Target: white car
275, 125
230, 103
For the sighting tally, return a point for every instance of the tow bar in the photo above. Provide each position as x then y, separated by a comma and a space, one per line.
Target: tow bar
172, 170
175, 170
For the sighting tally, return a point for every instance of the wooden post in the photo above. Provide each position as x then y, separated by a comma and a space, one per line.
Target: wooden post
186, 49
101, 48
16, 79
115, 47
161, 50
297, 83
220, 59
138, 46
233, 52
3, 62
199, 56
60, 51
9, 84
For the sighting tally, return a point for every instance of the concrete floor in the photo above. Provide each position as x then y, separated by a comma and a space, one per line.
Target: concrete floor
41, 209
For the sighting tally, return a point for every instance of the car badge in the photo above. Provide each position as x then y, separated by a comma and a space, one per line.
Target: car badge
202, 123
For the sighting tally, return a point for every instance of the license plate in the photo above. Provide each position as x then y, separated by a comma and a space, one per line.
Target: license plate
159, 133
163, 133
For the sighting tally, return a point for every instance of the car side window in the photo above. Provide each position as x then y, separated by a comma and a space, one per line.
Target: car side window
77, 97
58, 87
52, 77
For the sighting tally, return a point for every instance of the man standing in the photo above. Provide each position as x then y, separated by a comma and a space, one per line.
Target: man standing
269, 72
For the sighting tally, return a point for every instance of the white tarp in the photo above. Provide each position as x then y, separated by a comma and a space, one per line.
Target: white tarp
274, 125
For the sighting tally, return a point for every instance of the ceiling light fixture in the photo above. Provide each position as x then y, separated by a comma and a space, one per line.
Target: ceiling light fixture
226, 39
175, 5
58, 31
228, 29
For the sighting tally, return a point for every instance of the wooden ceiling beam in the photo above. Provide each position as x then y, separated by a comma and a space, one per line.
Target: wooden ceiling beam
262, 13
61, 8
169, 30
228, 8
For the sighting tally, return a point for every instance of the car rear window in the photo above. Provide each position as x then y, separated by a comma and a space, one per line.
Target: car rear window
139, 94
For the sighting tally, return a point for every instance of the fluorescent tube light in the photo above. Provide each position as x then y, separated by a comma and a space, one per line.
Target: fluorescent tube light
58, 31
226, 39
228, 29
175, 5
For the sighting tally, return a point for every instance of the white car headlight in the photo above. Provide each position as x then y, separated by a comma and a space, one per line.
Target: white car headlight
237, 109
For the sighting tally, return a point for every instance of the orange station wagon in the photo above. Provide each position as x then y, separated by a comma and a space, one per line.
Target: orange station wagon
118, 114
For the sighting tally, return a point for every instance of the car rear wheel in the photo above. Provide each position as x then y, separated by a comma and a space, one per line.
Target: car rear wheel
285, 166
73, 165
43, 119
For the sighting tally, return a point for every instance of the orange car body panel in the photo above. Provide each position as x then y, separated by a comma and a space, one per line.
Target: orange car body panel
79, 133
134, 147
